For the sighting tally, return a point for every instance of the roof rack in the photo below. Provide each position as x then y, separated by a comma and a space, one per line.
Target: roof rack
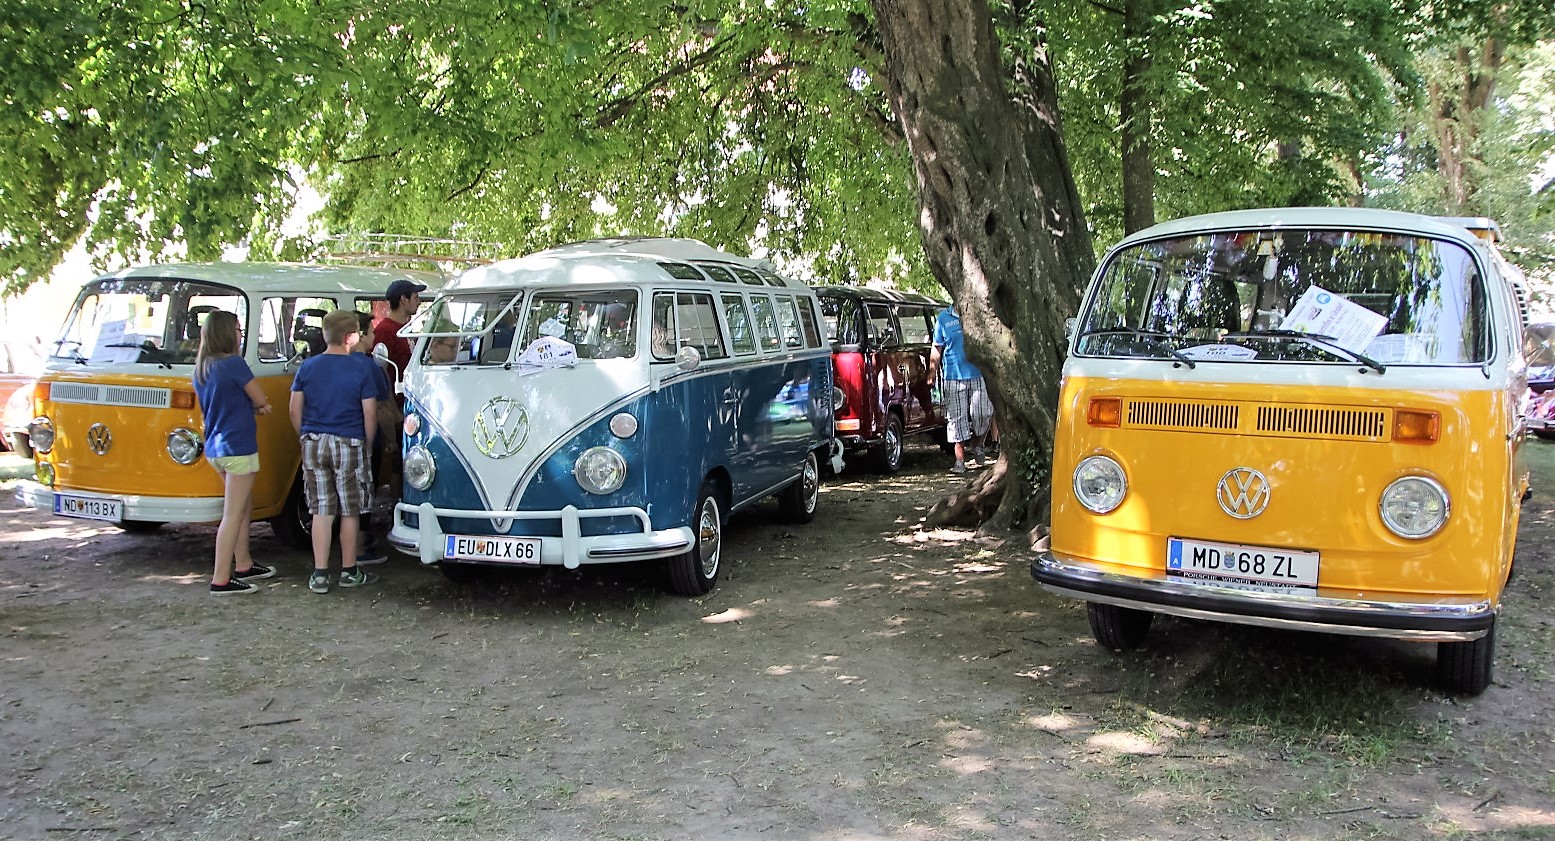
446, 255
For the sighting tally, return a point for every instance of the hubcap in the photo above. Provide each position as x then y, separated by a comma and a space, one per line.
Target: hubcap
709, 538
812, 482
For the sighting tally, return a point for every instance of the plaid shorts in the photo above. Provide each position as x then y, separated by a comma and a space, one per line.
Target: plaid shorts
968, 411
334, 474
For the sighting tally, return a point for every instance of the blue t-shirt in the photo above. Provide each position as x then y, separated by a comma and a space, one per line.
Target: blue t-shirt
379, 377
230, 428
952, 345
333, 386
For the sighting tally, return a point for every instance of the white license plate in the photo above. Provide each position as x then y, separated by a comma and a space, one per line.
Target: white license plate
1243, 567
88, 507
496, 550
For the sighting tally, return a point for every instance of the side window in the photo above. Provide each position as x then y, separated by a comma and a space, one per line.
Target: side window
881, 333
289, 326
808, 324
841, 316
698, 322
741, 336
746, 275
916, 326
788, 319
686, 319
766, 324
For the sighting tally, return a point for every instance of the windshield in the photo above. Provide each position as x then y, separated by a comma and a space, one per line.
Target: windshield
158, 320
1290, 295
485, 328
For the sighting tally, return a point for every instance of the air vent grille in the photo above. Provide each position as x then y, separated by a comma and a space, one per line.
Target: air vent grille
1173, 414
1370, 424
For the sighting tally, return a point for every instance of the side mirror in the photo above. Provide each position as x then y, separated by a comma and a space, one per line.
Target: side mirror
381, 355
688, 358
381, 352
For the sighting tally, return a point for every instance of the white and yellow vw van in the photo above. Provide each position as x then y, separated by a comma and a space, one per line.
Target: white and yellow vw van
1303, 418
118, 434
611, 401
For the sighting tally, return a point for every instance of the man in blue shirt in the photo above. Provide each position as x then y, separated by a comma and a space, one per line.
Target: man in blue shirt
968, 411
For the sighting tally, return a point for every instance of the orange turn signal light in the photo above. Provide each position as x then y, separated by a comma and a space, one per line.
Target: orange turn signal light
1105, 411
40, 391
1411, 426
183, 399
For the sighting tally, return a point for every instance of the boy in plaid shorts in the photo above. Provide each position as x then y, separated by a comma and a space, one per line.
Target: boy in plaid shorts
334, 409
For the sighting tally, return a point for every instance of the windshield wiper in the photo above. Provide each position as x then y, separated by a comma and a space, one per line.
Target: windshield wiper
1153, 337
1328, 343
157, 354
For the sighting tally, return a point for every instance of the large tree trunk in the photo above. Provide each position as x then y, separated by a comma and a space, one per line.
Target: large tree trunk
1136, 108
1001, 225
1456, 112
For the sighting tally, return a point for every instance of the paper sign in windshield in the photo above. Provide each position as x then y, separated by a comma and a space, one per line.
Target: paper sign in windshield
547, 352
110, 346
1219, 353
1323, 313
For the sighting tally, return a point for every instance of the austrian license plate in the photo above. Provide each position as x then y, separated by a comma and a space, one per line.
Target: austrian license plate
88, 507
494, 550
1236, 565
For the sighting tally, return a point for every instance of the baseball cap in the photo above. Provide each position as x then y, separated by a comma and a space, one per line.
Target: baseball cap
404, 288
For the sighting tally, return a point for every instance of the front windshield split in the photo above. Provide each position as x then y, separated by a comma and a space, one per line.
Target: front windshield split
143, 320
1291, 295
494, 328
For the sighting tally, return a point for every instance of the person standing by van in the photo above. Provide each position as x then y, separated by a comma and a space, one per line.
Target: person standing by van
404, 299
334, 409
388, 417
230, 398
967, 408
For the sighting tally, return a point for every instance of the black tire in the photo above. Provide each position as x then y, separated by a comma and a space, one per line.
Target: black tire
798, 501
1118, 628
294, 525
694, 573
887, 456
1546, 434
139, 526
1465, 668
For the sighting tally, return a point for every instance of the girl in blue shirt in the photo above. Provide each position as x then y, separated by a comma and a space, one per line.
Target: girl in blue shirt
230, 399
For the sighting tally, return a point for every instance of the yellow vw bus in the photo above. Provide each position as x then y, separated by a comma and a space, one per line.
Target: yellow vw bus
1302, 418
118, 435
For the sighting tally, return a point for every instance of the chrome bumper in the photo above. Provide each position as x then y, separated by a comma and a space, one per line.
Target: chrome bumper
151, 509
572, 549
1438, 620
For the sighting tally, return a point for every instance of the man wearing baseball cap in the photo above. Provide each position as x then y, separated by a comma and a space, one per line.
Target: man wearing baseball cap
404, 300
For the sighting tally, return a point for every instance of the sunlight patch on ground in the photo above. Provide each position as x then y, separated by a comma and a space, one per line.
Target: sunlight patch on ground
37, 535
831, 602
942, 535
1479, 816
779, 671
966, 764
1054, 722
733, 614
1130, 743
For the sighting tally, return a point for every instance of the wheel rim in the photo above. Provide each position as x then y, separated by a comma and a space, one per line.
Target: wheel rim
709, 538
811, 483
893, 445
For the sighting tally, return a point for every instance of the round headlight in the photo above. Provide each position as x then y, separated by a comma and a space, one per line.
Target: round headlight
1099, 484
623, 425
600, 470
1414, 507
412, 424
420, 470
184, 445
41, 433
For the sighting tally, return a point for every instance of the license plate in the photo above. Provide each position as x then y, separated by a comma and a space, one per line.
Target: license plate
496, 550
1236, 565
88, 507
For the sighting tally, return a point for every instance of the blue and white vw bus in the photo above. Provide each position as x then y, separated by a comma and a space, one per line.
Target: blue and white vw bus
608, 401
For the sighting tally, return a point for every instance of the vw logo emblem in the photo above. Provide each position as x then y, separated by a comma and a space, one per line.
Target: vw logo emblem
1243, 493
501, 427
99, 439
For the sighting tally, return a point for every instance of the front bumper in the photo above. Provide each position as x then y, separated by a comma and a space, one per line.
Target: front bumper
571, 549
1437, 620
150, 509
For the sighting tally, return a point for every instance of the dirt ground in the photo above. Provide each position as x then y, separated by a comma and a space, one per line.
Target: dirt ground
855, 678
